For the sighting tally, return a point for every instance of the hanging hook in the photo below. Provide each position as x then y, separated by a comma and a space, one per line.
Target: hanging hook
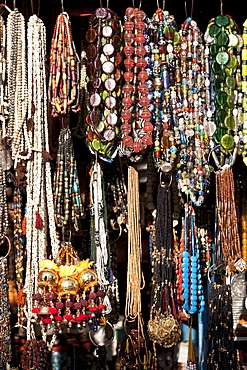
14, 4
32, 7
185, 9
158, 5
140, 4
38, 8
164, 3
107, 4
221, 7
192, 9
133, 3
62, 7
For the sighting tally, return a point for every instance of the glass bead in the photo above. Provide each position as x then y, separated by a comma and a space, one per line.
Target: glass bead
220, 132
231, 101
214, 48
216, 67
214, 30
222, 57
222, 39
222, 20
232, 62
229, 122
91, 35
91, 51
221, 98
220, 117
100, 126
227, 142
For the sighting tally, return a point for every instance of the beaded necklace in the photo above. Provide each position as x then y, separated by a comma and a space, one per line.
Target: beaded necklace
3, 105
104, 82
191, 275
63, 88
244, 89
163, 326
164, 45
40, 220
17, 130
192, 168
5, 340
223, 96
136, 128
66, 191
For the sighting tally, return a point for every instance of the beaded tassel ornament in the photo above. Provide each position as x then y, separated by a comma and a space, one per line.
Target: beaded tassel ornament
223, 95
64, 85
136, 128
104, 81
192, 168
166, 90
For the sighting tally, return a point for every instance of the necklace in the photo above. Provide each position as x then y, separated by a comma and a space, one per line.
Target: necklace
163, 327
192, 169
104, 82
223, 96
63, 89
244, 89
164, 45
67, 200
3, 87
136, 128
17, 130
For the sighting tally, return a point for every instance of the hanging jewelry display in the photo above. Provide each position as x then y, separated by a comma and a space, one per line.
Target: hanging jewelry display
64, 85
164, 48
136, 128
163, 326
39, 209
223, 82
104, 81
66, 191
17, 128
193, 172
221, 349
5, 339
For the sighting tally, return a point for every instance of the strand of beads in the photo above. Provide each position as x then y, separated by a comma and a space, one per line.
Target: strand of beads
244, 89
136, 128
17, 132
192, 168
104, 79
64, 78
5, 340
223, 46
3, 105
191, 275
164, 44
66, 191
18, 238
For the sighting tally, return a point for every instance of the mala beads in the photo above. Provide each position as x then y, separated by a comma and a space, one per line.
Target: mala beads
221, 349
163, 327
166, 91
35, 355
224, 96
104, 81
17, 130
64, 81
136, 128
192, 168
66, 191
227, 218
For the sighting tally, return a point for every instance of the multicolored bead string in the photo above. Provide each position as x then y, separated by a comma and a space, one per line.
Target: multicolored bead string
64, 78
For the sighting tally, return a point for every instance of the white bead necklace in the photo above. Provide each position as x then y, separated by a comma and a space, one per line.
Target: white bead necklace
39, 189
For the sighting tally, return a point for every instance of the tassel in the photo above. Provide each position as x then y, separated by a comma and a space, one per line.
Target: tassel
39, 222
24, 225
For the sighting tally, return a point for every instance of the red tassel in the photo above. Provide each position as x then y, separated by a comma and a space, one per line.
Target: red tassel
39, 222
24, 225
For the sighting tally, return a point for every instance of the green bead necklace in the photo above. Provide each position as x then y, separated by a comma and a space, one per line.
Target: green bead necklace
223, 81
